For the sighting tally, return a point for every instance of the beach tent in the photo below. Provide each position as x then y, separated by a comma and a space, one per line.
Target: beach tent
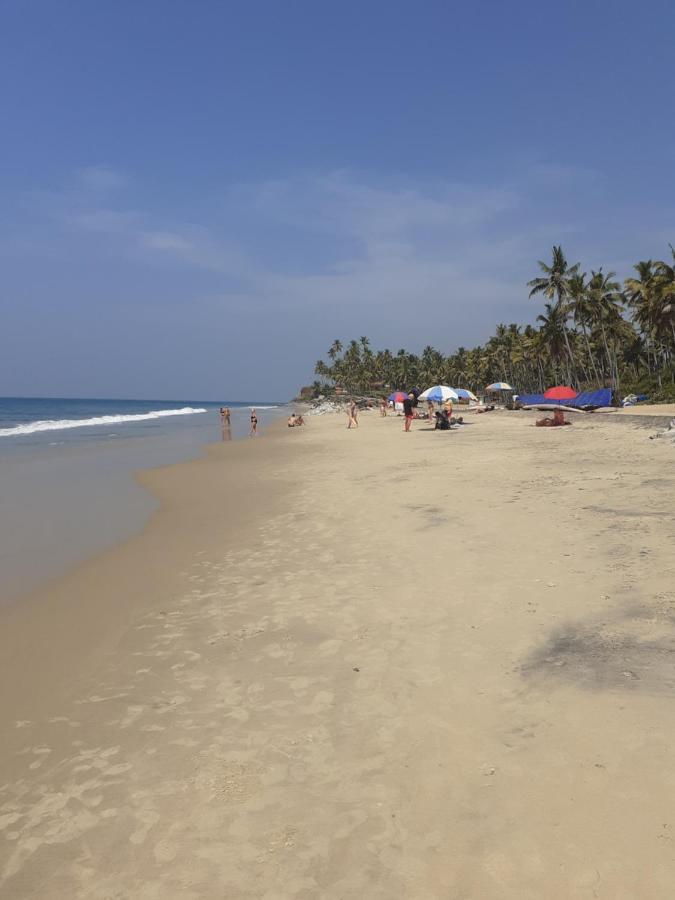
499, 386
587, 400
439, 393
463, 394
560, 393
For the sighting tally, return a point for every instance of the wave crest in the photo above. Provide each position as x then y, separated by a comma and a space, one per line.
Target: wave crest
62, 424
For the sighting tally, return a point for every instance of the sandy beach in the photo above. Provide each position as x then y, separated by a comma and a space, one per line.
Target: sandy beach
359, 664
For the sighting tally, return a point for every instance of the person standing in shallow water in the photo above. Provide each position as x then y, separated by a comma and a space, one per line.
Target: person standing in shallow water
408, 404
254, 423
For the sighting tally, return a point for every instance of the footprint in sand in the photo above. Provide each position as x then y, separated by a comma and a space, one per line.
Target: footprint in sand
164, 851
148, 819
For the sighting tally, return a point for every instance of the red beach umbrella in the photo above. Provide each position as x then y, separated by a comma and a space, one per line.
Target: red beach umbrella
560, 393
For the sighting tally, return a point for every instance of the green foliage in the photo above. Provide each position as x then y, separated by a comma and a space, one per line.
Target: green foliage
591, 334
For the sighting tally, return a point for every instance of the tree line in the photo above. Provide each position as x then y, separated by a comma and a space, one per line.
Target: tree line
593, 332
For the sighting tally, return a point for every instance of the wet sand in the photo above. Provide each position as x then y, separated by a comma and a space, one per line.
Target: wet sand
355, 664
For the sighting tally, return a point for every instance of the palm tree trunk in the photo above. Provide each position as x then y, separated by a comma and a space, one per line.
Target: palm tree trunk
588, 350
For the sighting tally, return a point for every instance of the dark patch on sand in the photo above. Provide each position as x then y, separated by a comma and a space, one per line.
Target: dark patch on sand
433, 515
635, 653
630, 513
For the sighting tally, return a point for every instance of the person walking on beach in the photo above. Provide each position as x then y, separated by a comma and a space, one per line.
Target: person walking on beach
383, 407
408, 411
352, 415
254, 423
225, 415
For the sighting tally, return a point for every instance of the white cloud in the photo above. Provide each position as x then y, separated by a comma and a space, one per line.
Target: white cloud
102, 178
165, 240
458, 254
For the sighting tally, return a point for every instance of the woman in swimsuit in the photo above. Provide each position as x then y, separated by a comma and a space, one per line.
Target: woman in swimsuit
352, 415
254, 423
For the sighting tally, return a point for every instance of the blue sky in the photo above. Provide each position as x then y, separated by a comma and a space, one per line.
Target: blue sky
197, 198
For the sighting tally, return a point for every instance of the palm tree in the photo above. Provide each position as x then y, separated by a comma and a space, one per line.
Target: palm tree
579, 304
553, 334
641, 296
554, 284
605, 307
335, 350
665, 311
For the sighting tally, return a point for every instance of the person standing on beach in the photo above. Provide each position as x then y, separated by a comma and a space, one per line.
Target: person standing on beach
254, 423
383, 407
408, 411
352, 415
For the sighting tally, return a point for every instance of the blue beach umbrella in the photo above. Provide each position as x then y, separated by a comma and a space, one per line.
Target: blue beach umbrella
463, 394
439, 393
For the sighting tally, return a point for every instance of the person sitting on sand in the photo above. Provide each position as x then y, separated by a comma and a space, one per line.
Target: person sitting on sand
292, 421
299, 420
547, 422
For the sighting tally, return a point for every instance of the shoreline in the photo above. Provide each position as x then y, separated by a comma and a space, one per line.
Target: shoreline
113, 582
65, 503
359, 663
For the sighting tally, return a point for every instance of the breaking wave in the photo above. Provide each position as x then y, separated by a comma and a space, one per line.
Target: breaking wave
62, 424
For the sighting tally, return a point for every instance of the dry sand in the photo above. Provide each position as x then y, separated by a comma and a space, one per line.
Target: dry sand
360, 664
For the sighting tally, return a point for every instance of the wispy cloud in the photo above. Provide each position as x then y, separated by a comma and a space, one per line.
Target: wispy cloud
381, 249
102, 178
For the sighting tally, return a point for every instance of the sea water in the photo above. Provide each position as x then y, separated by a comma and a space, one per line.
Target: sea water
66, 473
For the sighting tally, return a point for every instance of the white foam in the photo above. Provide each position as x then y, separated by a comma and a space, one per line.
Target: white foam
62, 424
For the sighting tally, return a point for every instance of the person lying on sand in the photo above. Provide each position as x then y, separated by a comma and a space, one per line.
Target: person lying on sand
547, 422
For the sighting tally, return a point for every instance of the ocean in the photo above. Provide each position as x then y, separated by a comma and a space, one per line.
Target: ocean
66, 473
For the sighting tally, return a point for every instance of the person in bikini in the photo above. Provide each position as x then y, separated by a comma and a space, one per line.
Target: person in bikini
352, 415
254, 423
